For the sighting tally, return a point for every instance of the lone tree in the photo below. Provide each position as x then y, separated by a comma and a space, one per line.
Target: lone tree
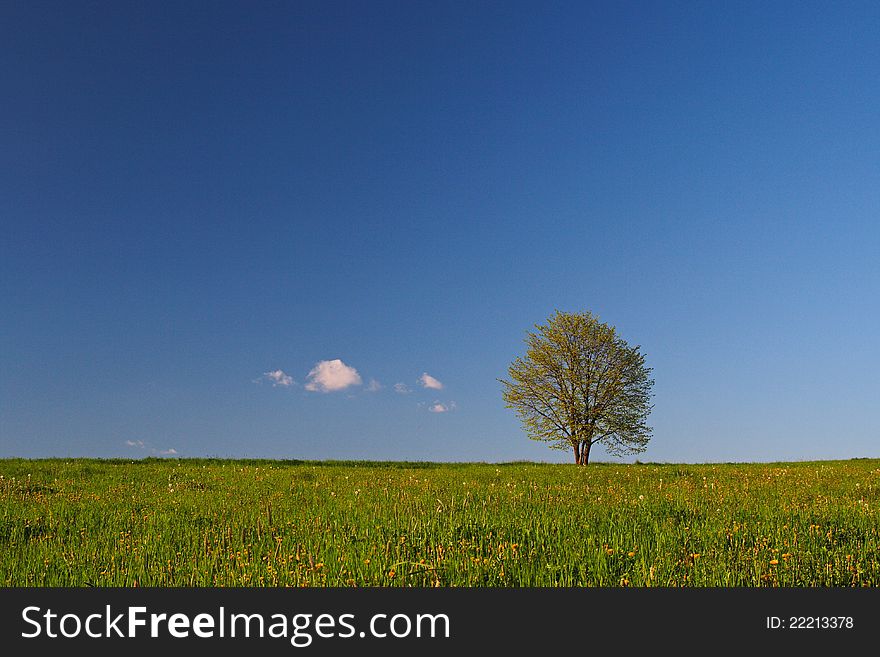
580, 384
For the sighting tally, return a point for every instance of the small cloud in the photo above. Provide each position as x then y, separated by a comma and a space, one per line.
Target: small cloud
278, 378
437, 407
331, 375
374, 386
401, 389
429, 381
140, 444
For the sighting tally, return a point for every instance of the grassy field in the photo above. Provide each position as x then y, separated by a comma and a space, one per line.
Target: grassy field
272, 523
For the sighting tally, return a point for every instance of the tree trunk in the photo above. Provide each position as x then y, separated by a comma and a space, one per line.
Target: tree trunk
585, 453
577, 452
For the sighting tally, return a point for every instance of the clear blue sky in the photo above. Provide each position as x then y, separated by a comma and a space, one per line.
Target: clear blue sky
201, 202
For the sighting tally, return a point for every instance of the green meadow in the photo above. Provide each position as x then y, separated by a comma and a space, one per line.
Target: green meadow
85, 522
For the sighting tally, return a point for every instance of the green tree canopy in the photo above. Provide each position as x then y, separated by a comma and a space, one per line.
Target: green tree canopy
579, 384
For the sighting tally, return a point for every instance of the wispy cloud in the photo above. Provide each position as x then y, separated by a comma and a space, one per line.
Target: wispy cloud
429, 381
374, 386
401, 389
437, 407
332, 375
278, 378
140, 444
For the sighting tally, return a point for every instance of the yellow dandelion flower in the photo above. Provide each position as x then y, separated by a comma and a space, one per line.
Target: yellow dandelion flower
773, 562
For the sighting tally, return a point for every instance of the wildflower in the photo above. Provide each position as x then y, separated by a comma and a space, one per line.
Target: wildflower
773, 562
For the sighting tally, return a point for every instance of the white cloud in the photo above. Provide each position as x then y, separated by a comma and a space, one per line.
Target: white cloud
402, 389
429, 381
140, 444
374, 386
330, 375
437, 407
278, 378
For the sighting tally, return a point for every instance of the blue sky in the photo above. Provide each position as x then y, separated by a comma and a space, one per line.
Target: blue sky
205, 205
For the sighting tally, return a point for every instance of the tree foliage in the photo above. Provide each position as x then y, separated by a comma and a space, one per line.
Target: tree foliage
579, 384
